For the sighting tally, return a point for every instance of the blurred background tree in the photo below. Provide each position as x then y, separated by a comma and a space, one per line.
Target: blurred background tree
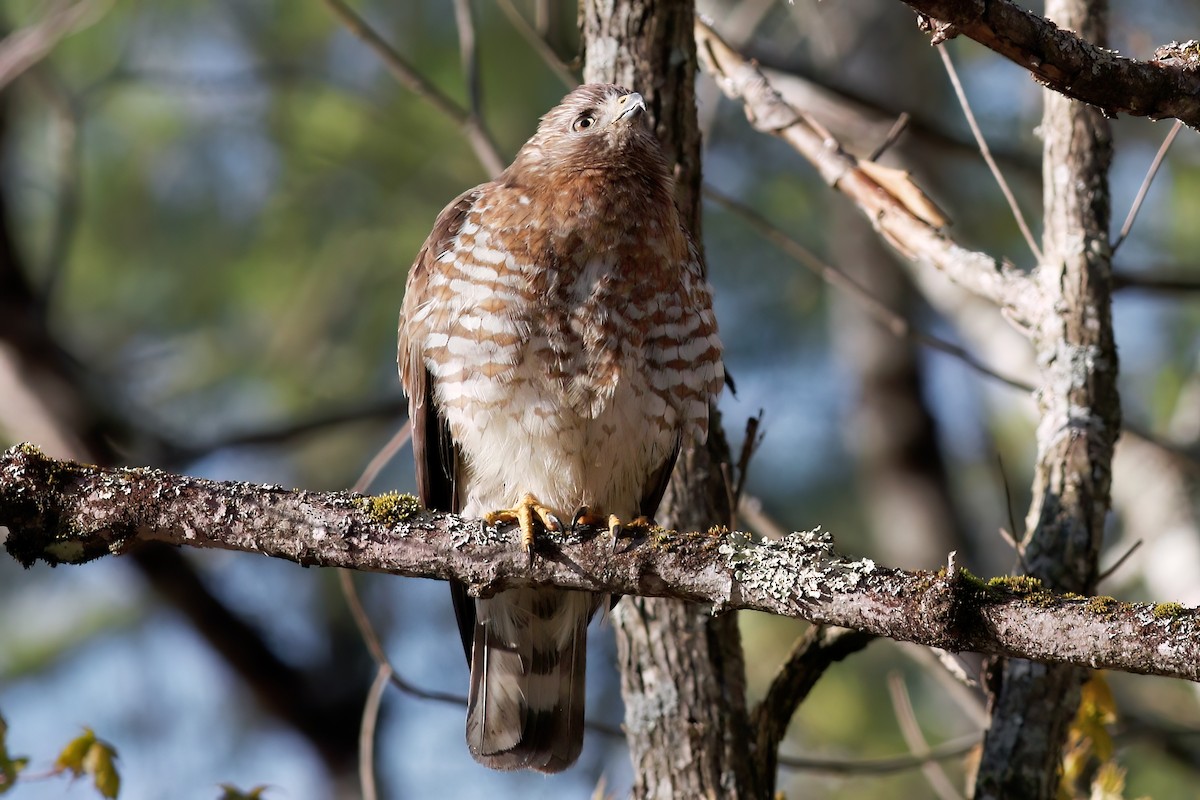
208, 212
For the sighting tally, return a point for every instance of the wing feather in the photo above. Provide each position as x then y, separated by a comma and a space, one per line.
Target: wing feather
434, 450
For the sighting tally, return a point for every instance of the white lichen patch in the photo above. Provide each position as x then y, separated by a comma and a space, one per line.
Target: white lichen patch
800, 566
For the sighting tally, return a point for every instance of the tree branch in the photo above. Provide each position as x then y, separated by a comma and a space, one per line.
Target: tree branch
62, 512
893, 210
1166, 86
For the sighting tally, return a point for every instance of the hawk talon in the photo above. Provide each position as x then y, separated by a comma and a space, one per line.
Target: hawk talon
528, 514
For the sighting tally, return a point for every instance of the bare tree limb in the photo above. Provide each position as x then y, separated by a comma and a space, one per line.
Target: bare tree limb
62, 512
1166, 86
818, 649
23, 48
902, 227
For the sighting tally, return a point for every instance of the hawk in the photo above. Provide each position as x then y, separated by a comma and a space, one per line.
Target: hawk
558, 347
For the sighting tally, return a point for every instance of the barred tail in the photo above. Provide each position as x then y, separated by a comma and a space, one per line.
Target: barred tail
528, 662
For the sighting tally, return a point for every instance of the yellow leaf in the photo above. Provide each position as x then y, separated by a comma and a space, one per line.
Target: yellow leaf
71, 757
99, 762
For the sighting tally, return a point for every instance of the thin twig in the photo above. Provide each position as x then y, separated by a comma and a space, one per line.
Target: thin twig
1161, 284
26, 46
819, 648
750, 445
1145, 187
885, 316
366, 732
952, 748
539, 44
468, 48
954, 674
69, 156
1117, 564
285, 433
987, 153
915, 740
752, 512
893, 134
385, 454
481, 141
1011, 536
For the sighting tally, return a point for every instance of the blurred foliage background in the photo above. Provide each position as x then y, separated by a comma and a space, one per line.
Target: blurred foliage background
216, 205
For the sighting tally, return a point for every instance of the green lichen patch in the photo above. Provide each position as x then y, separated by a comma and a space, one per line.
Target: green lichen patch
390, 508
1168, 610
1016, 584
1102, 606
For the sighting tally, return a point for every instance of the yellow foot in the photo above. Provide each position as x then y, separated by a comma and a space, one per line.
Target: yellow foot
524, 514
586, 518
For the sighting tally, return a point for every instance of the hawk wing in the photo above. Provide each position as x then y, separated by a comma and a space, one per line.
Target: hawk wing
434, 451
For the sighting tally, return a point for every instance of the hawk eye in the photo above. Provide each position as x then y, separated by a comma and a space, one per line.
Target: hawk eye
584, 121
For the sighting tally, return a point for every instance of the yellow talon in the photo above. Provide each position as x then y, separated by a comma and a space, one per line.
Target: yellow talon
524, 514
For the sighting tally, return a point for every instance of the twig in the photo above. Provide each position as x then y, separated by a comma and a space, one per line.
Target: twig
385, 454
952, 748
819, 648
954, 674
898, 212
1010, 536
366, 733
481, 141
1117, 564
385, 408
1162, 284
70, 157
750, 444
987, 153
1145, 187
25, 47
885, 316
468, 48
539, 44
915, 740
751, 510
375, 646
898, 127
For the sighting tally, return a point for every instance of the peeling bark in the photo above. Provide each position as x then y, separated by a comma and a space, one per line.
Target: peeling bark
1076, 65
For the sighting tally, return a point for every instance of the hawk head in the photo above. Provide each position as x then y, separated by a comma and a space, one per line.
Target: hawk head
598, 126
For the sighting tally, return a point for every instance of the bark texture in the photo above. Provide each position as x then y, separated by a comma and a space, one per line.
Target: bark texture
1032, 704
682, 673
1075, 64
66, 513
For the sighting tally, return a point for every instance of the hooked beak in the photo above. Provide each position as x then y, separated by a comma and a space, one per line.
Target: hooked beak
629, 106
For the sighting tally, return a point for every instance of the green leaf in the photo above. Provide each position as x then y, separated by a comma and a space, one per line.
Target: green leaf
10, 766
231, 792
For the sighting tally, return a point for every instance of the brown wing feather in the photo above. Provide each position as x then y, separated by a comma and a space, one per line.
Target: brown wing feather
434, 451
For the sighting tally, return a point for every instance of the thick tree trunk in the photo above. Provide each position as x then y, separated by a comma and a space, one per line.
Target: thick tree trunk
682, 674
1033, 704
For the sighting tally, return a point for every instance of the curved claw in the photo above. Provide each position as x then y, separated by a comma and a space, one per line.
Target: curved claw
528, 514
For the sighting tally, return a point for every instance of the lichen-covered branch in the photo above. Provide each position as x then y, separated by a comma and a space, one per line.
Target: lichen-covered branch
1166, 86
62, 512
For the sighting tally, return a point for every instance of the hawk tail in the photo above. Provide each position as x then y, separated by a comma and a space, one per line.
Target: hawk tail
527, 679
